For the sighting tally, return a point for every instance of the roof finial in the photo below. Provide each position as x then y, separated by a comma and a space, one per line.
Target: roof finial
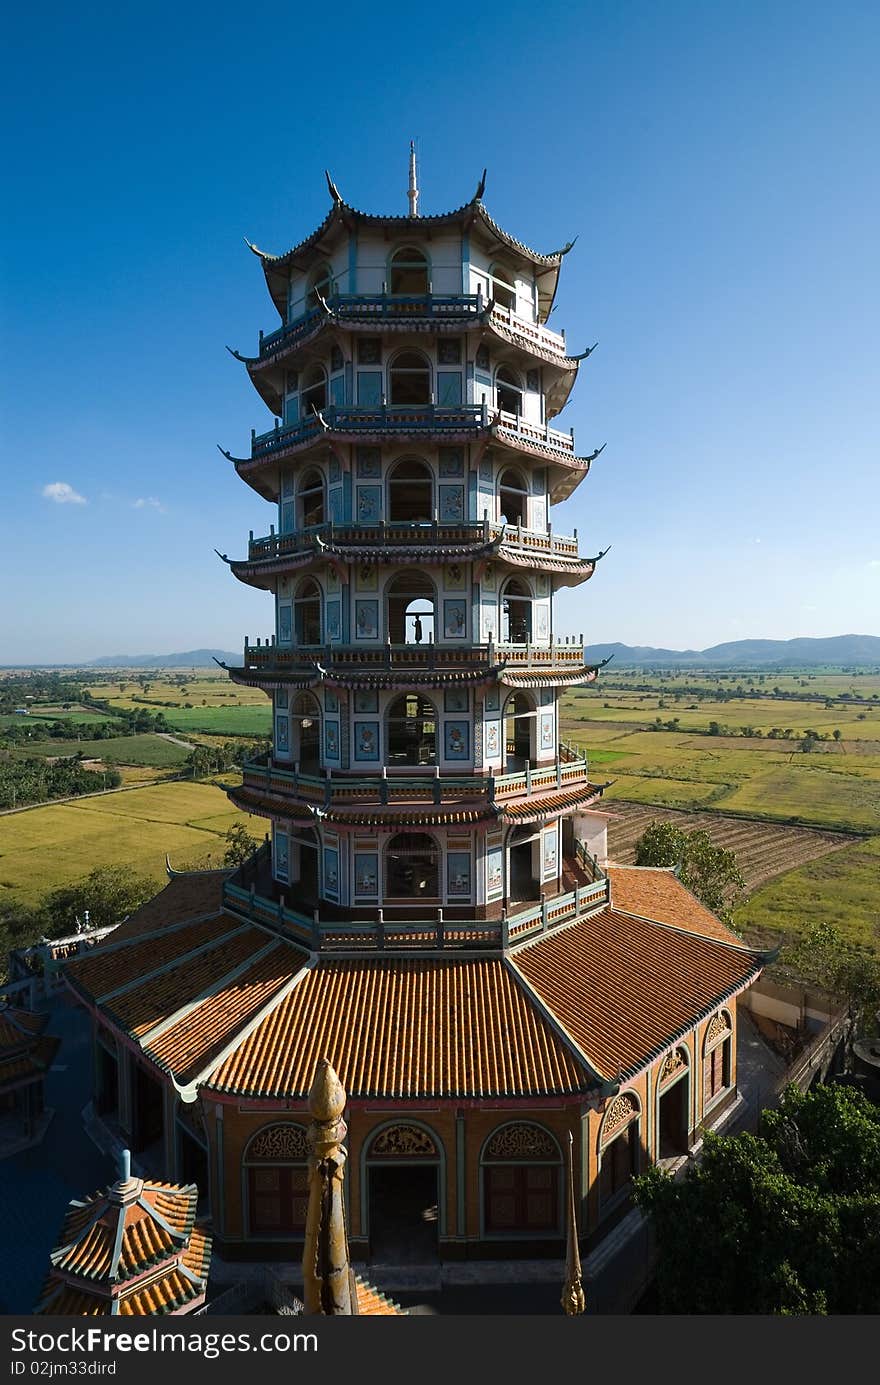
413, 181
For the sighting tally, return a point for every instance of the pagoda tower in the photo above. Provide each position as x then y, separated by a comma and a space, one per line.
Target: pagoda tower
417, 777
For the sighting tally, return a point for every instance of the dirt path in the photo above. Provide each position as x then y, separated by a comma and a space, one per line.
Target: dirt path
175, 740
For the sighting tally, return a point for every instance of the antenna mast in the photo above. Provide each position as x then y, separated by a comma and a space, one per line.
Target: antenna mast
413, 181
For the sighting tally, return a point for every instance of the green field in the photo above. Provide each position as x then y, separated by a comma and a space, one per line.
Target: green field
57, 843
145, 749
222, 721
79, 716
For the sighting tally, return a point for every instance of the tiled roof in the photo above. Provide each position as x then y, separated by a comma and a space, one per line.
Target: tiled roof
104, 968
184, 897
659, 894
18, 1027
403, 1029
513, 678
624, 987
373, 1304
29, 1063
542, 805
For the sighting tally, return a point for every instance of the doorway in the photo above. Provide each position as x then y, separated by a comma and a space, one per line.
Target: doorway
673, 1140
404, 1200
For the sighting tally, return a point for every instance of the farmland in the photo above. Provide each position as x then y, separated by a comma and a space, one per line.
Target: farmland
56, 843
147, 749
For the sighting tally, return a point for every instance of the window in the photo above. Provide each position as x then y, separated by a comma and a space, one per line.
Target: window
521, 1181
449, 388
619, 1162
410, 493
313, 396
716, 1058
516, 613
409, 272
277, 1176
410, 379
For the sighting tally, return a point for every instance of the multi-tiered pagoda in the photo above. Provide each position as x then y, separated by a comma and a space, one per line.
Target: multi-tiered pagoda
417, 779
431, 914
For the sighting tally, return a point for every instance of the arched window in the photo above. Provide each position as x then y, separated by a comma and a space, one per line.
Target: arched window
412, 867
410, 493
313, 396
410, 608
513, 497
311, 499
508, 390
307, 613
410, 379
516, 612
520, 732
502, 285
412, 731
673, 1104
717, 1066
618, 1146
277, 1180
320, 282
305, 721
522, 1175
409, 272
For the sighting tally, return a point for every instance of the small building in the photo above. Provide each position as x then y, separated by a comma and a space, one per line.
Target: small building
26, 1055
133, 1248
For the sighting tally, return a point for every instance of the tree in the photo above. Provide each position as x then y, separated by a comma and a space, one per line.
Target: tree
240, 845
785, 1222
822, 957
709, 871
108, 893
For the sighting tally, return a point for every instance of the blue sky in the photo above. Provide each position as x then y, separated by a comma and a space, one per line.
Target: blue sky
715, 160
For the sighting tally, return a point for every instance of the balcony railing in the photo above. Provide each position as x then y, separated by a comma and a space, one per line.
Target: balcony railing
391, 931
430, 307
273, 657
539, 433
390, 534
390, 786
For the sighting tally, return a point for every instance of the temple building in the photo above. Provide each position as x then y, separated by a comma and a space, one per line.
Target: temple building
26, 1055
432, 911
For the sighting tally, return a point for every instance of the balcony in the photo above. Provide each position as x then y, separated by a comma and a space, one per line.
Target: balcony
380, 309
460, 419
272, 547
539, 435
389, 786
272, 658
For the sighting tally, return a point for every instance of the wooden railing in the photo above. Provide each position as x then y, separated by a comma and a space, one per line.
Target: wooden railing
271, 656
540, 433
533, 332
385, 533
403, 786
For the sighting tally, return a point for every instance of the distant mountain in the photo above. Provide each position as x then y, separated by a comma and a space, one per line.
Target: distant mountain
191, 658
839, 651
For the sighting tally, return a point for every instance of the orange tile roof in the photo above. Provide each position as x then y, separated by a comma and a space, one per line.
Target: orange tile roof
29, 1064
405, 1028
201, 1035
625, 987
371, 1303
659, 894
18, 1027
105, 968
142, 1007
113, 1239
185, 896
544, 804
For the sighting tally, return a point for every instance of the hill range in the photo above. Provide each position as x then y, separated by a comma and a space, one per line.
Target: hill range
838, 651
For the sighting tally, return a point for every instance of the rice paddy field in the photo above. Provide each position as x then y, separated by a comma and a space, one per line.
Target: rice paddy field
769, 786
56, 843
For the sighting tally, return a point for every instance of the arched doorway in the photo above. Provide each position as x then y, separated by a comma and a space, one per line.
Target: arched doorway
412, 867
513, 498
516, 612
673, 1090
403, 1169
313, 395
410, 379
717, 1065
523, 865
619, 1151
409, 273
520, 732
411, 731
310, 509
304, 847
521, 1179
410, 493
410, 609
508, 391
307, 613
305, 721
502, 285
276, 1180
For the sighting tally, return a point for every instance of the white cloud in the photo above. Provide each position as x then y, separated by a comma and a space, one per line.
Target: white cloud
148, 502
63, 494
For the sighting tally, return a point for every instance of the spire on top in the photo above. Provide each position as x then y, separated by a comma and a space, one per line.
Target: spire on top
413, 181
